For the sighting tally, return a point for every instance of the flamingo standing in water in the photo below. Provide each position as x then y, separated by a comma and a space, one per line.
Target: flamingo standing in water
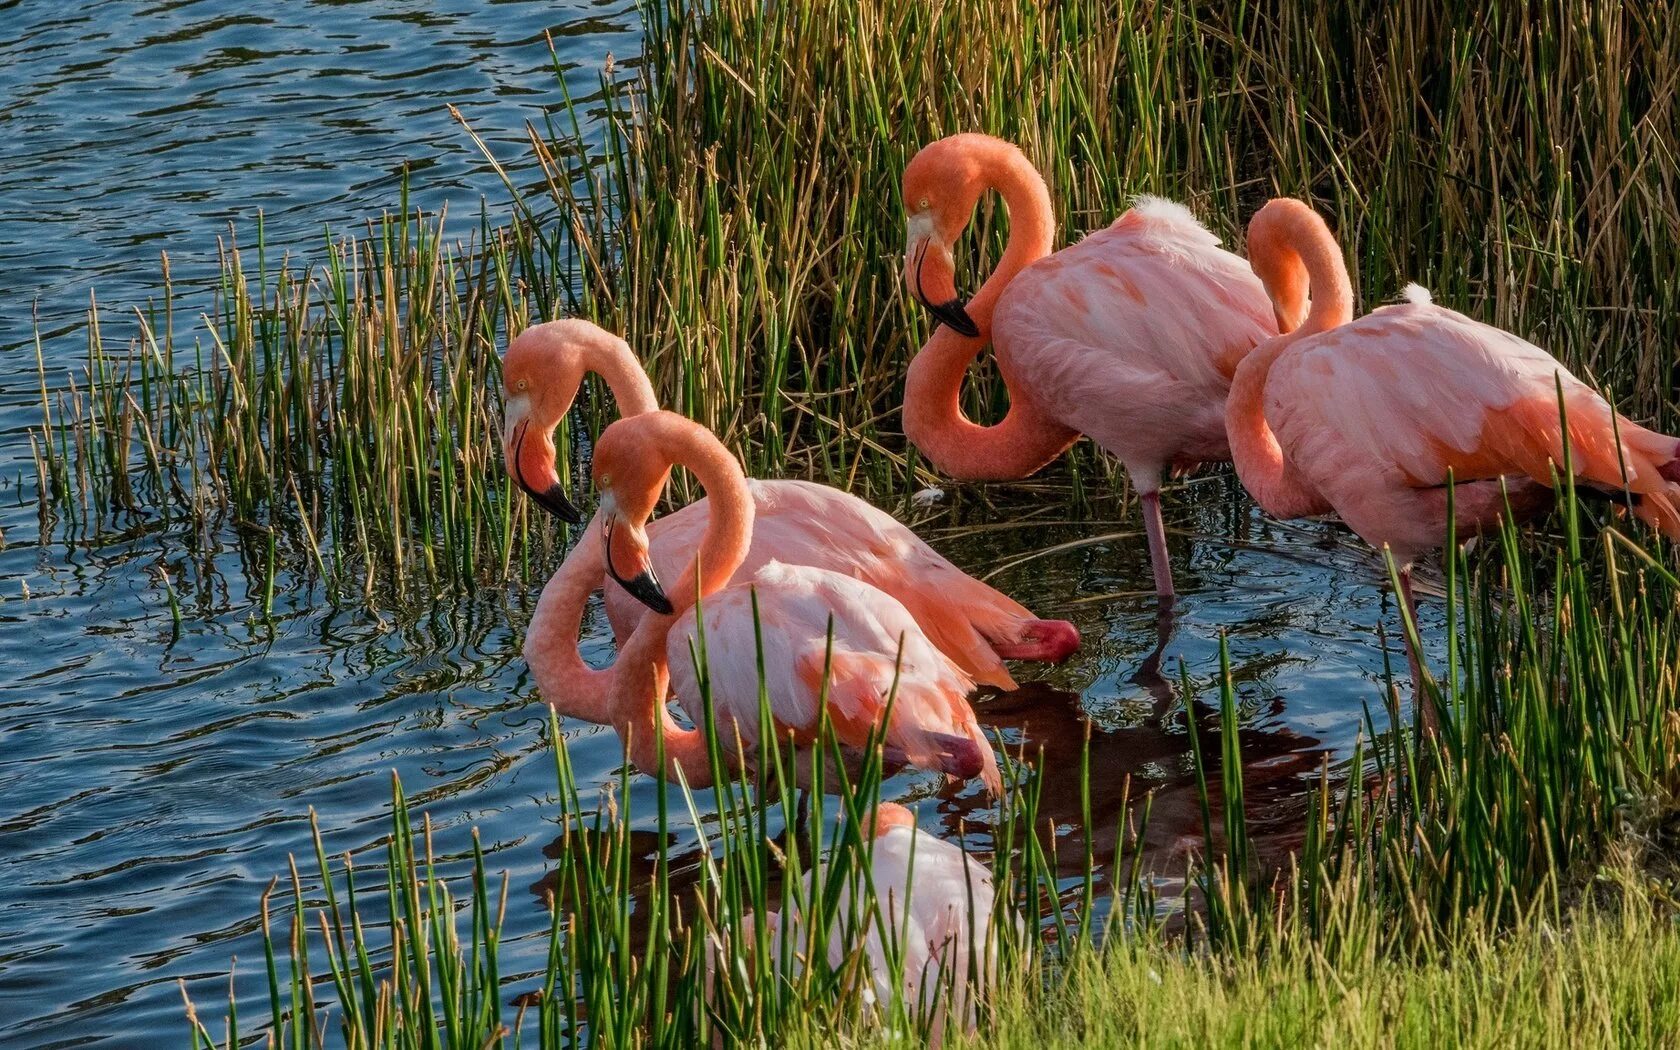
935, 902
797, 522
1372, 418
824, 637
1130, 336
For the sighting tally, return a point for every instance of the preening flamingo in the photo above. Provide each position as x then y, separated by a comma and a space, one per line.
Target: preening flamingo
878, 651
1372, 417
935, 902
797, 522
1130, 336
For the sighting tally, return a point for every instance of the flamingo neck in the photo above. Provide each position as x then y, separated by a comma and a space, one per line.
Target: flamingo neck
1297, 258
569, 685
1026, 439
611, 359
1265, 471
641, 715
644, 721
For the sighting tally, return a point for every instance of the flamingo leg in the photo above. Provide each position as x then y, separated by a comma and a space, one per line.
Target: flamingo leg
1414, 659
1157, 530
1149, 672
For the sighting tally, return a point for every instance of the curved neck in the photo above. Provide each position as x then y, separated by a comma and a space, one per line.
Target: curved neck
1265, 471
1026, 439
641, 715
631, 388
1297, 259
569, 685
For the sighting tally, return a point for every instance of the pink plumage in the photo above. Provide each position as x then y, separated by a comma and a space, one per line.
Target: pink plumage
1373, 418
811, 621
800, 523
807, 636
1130, 336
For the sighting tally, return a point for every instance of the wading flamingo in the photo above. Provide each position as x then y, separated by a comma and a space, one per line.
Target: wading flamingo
1371, 418
935, 902
797, 522
877, 648
1129, 336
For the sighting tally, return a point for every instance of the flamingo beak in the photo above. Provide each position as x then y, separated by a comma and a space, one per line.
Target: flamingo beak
530, 459
631, 546
930, 274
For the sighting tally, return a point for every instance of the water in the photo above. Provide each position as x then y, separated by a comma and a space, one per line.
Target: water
154, 782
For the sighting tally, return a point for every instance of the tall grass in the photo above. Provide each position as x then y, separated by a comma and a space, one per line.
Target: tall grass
1546, 802
753, 171
730, 204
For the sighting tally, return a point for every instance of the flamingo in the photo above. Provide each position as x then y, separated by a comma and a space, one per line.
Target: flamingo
797, 522
1372, 418
936, 903
1130, 336
826, 638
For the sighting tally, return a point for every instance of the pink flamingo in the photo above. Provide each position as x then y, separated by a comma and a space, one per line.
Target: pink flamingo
1130, 336
1372, 418
935, 903
824, 637
797, 522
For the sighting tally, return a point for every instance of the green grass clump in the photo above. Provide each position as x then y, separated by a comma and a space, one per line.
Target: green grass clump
1610, 978
1488, 884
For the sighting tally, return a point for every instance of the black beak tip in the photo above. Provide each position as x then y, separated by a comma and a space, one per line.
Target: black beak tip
645, 589
956, 317
553, 499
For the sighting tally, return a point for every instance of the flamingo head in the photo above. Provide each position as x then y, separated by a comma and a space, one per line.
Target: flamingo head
1276, 260
887, 816
541, 373
942, 184
630, 473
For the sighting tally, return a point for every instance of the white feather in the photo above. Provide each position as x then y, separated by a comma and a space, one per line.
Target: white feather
1183, 221
1417, 294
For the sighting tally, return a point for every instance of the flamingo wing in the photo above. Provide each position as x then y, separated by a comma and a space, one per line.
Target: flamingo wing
877, 652
803, 523
1414, 394
1132, 335
935, 904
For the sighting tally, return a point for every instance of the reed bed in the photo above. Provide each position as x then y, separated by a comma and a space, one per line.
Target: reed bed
730, 204
1543, 815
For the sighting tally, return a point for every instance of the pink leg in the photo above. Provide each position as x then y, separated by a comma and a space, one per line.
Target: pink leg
1157, 530
1425, 706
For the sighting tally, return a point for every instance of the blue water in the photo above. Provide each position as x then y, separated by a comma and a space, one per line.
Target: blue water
153, 782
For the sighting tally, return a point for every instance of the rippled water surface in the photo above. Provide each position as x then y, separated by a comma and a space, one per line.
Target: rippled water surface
154, 779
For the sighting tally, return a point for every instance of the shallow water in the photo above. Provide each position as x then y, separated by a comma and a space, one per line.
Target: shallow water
155, 781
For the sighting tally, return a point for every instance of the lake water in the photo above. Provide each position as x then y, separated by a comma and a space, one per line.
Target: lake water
152, 784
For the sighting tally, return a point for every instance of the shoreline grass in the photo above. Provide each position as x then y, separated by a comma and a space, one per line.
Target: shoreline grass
1543, 815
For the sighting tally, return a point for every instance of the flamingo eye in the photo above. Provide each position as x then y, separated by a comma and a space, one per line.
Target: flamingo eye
522, 384
923, 204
